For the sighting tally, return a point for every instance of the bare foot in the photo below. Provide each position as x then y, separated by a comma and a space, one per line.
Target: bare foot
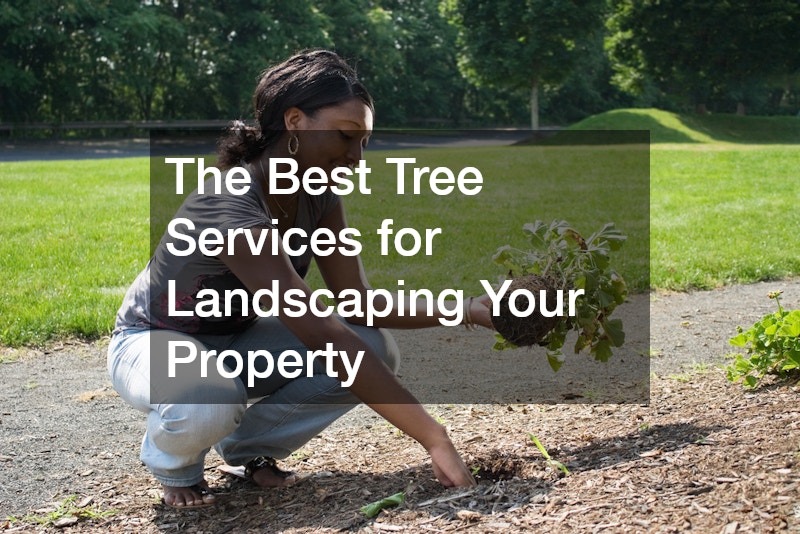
195, 496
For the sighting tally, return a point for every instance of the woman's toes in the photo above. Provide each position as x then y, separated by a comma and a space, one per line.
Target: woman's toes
186, 497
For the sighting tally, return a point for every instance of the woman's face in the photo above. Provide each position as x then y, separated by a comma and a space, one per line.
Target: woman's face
334, 136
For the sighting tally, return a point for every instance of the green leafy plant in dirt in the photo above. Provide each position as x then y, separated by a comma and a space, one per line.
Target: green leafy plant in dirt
548, 459
772, 347
561, 259
68, 513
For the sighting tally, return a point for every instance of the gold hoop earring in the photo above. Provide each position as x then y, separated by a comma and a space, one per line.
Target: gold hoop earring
296, 140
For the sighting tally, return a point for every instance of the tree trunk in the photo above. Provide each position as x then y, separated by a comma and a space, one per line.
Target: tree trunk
740, 109
535, 104
700, 109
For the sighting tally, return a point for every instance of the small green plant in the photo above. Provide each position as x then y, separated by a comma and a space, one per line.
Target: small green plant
68, 509
10, 358
562, 258
684, 378
700, 368
591, 394
772, 347
550, 461
301, 455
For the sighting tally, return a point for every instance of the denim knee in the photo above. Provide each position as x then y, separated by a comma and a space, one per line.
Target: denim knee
185, 428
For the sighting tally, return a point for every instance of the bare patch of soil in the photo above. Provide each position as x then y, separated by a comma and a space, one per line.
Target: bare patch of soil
704, 454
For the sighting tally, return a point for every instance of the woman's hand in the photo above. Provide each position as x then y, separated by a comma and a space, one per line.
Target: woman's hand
448, 466
480, 311
415, 421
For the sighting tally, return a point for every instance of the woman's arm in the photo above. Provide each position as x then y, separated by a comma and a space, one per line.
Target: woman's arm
374, 384
347, 272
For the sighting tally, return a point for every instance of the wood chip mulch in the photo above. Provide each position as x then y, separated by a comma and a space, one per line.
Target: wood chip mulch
704, 455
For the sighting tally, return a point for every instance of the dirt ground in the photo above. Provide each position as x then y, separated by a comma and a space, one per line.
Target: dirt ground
702, 454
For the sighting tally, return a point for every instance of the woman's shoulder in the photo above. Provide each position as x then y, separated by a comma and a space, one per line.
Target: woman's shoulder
223, 208
324, 203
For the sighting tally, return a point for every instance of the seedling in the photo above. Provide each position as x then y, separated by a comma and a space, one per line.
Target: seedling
684, 378
301, 455
549, 460
66, 510
772, 346
700, 367
561, 259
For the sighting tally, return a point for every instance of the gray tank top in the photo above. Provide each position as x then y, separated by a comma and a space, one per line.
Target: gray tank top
146, 303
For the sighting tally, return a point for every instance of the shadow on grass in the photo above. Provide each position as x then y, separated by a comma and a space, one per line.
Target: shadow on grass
744, 130
624, 127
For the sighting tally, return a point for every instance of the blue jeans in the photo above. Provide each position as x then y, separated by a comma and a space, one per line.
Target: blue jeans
288, 414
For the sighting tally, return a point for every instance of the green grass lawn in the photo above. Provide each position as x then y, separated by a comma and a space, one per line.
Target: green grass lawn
724, 216
723, 130
76, 233
724, 195
74, 236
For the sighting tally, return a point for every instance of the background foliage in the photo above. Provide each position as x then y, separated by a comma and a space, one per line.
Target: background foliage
429, 63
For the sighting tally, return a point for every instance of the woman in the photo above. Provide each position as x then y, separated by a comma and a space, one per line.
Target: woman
313, 109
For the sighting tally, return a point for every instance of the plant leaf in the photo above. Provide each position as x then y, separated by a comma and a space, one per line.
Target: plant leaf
555, 359
602, 350
789, 330
500, 343
738, 340
373, 509
535, 232
539, 446
613, 328
605, 299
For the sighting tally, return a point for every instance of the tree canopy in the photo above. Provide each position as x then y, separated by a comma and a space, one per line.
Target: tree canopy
701, 50
427, 62
541, 41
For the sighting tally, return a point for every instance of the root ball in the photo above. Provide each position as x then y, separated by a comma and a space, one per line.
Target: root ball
530, 330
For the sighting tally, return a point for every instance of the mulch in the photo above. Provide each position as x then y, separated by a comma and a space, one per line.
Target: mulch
703, 454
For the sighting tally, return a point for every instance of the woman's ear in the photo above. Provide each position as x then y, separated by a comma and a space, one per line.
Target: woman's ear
294, 119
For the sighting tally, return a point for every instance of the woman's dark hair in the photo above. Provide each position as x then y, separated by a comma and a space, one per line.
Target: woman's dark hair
309, 81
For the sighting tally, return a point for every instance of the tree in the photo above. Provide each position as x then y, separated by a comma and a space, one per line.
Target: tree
700, 49
405, 53
248, 36
363, 33
523, 43
431, 89
47, 68
587, 90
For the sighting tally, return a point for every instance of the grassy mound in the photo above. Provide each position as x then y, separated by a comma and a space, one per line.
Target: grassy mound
666, 127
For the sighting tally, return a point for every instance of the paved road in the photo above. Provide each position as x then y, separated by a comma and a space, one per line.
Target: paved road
11, 150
